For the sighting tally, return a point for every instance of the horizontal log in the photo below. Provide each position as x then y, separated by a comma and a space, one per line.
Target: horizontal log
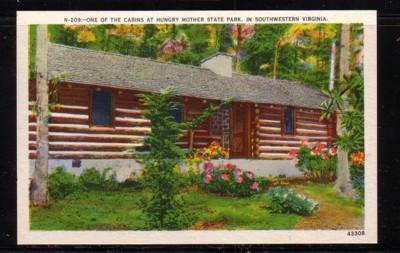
80, 147
279, 144
274, 156
128, 113
62, 120
309, 121
268, 130
83, 110
311, 126
120, 122
311, 133
270, 116
128, 104
98, 130
273, 150
269, 124
32, 155
308, 113
307, 117
289, 138
88, 138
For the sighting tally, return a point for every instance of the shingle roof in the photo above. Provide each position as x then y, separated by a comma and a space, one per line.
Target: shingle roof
122, 71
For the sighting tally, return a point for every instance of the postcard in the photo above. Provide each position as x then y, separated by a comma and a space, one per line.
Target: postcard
197, 127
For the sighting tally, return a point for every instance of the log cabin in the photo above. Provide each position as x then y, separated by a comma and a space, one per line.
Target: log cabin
99, 116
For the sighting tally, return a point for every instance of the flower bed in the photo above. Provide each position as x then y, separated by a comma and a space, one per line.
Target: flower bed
228, 179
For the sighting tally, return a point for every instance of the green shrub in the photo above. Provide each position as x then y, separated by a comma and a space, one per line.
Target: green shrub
227, 179
92, 179
285, 200
357, 178
134, 181
262, 182
61, 183
317, 162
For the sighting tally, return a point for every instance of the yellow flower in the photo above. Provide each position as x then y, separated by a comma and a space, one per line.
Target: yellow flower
86, 36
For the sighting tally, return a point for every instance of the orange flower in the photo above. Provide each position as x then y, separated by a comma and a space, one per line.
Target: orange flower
358, 158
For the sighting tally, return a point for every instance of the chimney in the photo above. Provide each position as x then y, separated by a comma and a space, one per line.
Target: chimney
219, 63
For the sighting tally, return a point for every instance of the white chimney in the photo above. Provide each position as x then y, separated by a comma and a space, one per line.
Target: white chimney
219, 63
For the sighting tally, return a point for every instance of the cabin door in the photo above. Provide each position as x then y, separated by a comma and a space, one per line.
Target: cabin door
240, 131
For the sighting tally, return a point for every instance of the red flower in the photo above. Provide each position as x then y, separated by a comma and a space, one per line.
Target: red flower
208, 178
293, 153
230, 166
319, 147
325, 156
332, 151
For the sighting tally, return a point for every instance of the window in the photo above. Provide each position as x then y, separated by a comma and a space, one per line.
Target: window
177, 112
288, 119
101, 108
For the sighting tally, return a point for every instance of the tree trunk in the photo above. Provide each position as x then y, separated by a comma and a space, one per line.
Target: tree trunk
343, 182
39, 178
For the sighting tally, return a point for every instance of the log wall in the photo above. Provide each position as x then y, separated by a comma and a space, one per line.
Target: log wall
71, 135
272, 143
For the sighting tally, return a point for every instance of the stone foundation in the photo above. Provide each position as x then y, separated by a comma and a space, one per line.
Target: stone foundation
124, 167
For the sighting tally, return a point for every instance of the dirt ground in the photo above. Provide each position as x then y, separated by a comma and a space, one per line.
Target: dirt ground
329, 216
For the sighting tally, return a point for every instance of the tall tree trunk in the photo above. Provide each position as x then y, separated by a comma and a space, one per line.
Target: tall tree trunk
39, 179
239, 42
343, 182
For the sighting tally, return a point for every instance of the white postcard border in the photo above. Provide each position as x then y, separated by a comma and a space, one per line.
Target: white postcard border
27, 236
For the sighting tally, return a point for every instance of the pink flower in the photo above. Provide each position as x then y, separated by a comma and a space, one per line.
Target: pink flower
239, 178
250, 175
238, 172
332, 151
325, 156
254, 186
304, 141
224, 176
208, 178
208, 165
208, 171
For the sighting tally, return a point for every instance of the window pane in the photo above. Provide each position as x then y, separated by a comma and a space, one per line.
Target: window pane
101, 108
177, 113
289, 121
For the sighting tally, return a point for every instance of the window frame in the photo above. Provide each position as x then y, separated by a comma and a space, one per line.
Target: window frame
283, 123
112, 93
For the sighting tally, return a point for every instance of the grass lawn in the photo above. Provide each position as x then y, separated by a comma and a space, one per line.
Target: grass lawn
118, 210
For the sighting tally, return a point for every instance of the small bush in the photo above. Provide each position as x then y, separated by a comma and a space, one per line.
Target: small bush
61, 183
285, 200
92, 179
317, 162
134, 181
227, 179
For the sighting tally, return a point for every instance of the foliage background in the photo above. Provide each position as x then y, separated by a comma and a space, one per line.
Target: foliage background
299, 52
